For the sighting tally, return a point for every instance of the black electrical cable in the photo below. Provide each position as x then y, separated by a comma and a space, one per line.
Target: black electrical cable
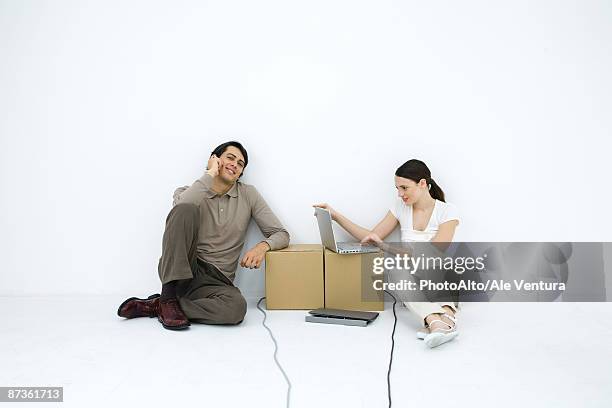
392, 348
285, 374
275, 351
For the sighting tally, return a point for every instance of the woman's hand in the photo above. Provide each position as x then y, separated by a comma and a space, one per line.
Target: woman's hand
372, 238
327, 207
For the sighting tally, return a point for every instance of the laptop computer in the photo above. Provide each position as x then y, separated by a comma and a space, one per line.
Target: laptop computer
328, 238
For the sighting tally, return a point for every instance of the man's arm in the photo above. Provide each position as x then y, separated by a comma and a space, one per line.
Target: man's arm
195, 193
177, 194
276, 235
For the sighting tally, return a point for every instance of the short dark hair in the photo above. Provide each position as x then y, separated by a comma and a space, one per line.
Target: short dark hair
219, 150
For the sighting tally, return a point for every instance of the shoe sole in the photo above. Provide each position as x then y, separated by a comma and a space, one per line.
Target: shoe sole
436, 339
134, 298
181, 327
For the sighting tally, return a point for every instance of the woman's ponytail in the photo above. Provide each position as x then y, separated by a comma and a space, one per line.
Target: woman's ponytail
435, 191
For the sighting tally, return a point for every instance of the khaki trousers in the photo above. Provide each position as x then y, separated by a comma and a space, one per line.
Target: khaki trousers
204, 293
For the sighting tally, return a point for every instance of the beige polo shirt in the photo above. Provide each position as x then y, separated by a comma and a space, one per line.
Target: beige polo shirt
225, 219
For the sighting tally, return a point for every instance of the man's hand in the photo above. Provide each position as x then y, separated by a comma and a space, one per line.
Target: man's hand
255, 256
213, 166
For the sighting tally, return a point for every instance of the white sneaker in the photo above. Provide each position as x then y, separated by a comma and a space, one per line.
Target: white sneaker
422, 333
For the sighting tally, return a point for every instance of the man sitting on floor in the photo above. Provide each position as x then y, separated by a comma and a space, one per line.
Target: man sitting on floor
203, 239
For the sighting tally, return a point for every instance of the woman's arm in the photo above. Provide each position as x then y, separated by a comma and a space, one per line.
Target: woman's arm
355, 230
384, 227
445, 234
446, 231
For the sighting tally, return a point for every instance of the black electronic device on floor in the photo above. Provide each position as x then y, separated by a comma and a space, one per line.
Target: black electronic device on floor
338, 316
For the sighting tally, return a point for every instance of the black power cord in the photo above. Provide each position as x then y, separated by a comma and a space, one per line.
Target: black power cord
285, 374
392, 348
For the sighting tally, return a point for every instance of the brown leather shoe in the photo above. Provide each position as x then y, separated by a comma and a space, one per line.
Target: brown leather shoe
135, 307
171, 316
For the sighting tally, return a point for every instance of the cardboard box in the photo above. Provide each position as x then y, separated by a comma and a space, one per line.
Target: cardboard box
348, 282
294, 278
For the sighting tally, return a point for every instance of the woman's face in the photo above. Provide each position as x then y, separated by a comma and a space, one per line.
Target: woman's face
409, 191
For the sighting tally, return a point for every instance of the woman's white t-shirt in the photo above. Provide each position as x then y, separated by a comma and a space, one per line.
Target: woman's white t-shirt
442, 213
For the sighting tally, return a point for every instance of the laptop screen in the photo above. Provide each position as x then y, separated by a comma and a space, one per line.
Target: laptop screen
325, 229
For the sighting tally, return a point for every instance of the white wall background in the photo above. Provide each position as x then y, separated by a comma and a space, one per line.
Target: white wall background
107, 106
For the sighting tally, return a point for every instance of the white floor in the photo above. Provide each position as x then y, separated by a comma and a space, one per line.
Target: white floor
507, 355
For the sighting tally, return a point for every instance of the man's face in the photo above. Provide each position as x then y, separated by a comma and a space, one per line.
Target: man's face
231, 164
